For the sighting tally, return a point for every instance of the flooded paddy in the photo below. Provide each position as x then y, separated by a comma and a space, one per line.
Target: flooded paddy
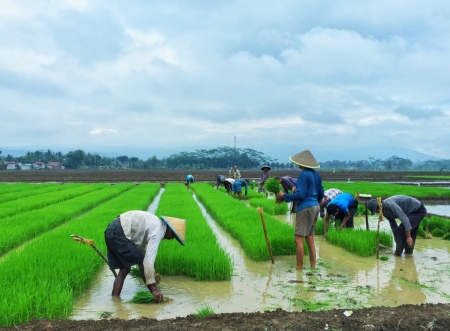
341, 280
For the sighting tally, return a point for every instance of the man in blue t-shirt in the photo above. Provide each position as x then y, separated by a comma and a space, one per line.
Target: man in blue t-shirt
343, 207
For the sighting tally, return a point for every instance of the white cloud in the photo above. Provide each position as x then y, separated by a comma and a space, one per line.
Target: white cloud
275, 75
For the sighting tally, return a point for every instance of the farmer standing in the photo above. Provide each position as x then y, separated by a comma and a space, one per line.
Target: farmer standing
342, 207
264, 177
236, 173
133, 238
308, 193
410, 211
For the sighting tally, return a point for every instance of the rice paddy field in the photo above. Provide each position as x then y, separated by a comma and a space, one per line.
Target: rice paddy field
228, 265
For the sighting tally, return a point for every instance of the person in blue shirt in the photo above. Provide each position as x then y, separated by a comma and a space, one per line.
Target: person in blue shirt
189, 179
343, 207
308, 193
237, 188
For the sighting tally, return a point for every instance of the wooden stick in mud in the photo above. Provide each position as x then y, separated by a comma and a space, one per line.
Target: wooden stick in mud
378, 227
91, 243
265, 233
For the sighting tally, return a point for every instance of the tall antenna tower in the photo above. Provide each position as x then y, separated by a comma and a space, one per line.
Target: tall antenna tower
234, 142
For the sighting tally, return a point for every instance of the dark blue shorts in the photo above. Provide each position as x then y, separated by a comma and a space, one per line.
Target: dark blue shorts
122, 253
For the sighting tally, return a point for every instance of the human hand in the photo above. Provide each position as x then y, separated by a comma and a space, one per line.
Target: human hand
158, 296
409, 241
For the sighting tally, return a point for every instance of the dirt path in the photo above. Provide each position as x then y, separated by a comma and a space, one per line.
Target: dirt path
408, 317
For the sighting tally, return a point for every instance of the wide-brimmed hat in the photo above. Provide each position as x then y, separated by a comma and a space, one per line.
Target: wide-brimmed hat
372, 206
264, 167
178, 226
305, 159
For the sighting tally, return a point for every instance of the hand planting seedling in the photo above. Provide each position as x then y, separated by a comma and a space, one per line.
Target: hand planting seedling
146, 297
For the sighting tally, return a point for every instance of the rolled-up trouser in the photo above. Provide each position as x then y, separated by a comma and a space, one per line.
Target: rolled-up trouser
399, 231
122, 253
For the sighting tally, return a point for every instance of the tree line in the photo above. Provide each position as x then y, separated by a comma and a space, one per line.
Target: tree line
216, 158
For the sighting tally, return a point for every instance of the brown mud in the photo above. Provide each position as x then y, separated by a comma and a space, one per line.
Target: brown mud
403, 317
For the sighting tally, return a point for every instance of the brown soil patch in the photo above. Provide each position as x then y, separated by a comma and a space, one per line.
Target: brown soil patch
408, 317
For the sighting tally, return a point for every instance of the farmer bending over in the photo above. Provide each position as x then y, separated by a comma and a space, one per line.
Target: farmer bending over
410, 211
237, 188
342, 207
133, 238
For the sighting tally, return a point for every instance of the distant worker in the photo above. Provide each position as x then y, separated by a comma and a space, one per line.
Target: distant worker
264, 177
328, 195
308, 192
237, 188
409, 211
133, 238
189, 179
343, 207
236, 173
289, 183
226, 182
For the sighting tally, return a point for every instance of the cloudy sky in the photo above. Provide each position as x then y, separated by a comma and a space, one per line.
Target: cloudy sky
275, 76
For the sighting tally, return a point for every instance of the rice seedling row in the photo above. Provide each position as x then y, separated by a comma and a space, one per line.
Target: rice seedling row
384, 190
45, 199
46, 275
358, 241
27, 190
270, 206
24, 226
201, 257
244, 224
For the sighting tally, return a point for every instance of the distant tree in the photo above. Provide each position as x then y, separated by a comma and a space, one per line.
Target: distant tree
74, 159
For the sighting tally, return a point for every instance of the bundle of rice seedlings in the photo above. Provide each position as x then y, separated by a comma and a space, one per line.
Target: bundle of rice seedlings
272, 185
143, 297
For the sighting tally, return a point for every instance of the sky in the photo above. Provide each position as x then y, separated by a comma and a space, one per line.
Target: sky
148, 77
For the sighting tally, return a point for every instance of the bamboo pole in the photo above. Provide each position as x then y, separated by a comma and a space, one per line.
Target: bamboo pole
380, 206
91, 243
265, 233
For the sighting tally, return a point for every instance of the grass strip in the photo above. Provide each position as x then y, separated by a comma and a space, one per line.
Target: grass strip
46, 274
244, 224
201, 257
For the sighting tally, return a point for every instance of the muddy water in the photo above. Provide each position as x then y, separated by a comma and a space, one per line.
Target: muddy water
341, 280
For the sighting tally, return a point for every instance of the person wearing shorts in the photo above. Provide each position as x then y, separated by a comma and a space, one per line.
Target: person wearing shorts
308, 193
133, 238
237, 188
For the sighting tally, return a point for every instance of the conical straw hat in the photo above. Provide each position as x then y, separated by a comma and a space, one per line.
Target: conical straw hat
178, 227
305, 159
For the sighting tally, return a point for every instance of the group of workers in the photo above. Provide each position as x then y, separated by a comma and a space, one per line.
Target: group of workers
134, 236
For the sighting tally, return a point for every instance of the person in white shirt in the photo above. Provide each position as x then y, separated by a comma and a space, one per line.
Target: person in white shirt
133, 239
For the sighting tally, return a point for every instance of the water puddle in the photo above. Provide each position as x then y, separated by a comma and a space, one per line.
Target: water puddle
341, 280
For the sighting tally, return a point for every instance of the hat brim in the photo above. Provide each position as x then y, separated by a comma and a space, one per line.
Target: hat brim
177, 236
268, 168
304, 165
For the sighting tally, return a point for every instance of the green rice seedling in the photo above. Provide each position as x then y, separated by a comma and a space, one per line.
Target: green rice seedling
142, 297
358, 241
446, 236
270, 206
319, 227
385, 190
201, 257
27, 189
272, 185
205, 311
47, 198
62, 270
30, 224
244, 224
437, 232
384, 258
